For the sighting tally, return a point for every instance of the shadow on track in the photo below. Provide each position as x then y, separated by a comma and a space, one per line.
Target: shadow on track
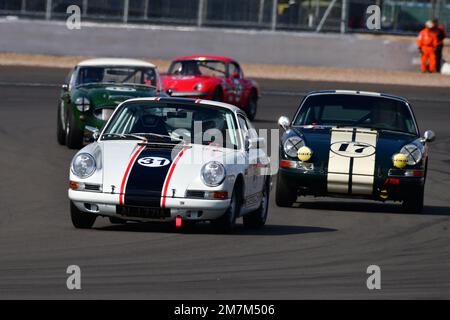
380, 207
205, 228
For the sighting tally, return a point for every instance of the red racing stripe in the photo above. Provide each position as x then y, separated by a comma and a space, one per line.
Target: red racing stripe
169, 176
127, 172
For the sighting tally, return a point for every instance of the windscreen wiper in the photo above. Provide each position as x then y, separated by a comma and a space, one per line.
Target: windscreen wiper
143, 134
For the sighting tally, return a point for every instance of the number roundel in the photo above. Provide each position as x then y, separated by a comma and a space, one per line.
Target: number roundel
153, 162
352, 149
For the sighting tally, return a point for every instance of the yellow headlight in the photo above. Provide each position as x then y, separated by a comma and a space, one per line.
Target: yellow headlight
304, 153
400, 160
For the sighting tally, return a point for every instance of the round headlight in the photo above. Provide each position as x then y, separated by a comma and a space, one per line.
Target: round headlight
292, 145
198, 86
213, 173
83, 104
83, 165
413, 153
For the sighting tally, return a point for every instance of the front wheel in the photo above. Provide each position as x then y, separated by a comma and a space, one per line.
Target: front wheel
74, 136
257, 218
414, 202
227, 222
60, 132
284, 195
80, 219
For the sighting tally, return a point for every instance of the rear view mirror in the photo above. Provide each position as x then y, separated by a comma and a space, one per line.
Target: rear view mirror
428, 136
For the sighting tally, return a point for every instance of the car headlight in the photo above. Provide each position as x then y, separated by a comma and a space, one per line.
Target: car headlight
83, 104
83, 165
413, 153
198, 86
213, 173
292, 145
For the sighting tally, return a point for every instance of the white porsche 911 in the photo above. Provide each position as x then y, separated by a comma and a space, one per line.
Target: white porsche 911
172, 159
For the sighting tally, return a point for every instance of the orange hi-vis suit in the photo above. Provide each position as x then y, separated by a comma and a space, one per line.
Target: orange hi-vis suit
427, 43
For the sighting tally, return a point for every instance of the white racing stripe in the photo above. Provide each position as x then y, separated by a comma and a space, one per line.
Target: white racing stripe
338, 166
351, 164
364, 168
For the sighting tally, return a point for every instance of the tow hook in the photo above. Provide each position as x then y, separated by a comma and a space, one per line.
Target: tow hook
384, 194
178, 222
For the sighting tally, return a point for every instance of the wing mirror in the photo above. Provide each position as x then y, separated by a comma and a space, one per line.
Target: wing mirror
428, 136
284, 122
255, 143
91, 133
65, 87
169, 92
235, 75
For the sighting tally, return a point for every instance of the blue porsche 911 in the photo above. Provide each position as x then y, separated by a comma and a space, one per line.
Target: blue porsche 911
353, 144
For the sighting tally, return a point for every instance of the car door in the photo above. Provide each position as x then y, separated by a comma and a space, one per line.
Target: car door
236, 82
253, 184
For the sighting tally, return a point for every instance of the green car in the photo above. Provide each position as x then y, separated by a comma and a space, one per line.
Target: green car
94, 88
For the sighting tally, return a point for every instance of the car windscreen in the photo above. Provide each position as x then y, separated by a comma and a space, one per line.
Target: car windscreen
211, 68
172, 122
128, 75
356, 111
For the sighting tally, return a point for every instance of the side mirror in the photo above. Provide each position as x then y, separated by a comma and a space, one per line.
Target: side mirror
235, 75
284, 122
169, 92
255, 143
91, 133
65, 87
428, 136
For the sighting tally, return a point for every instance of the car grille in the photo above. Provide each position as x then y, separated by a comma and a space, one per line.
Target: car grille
141, 212
92, 187
195, 194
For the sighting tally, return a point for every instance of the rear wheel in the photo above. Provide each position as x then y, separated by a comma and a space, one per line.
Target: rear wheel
60, 133
74, 136
414, 202
285, 196
227, 221
80, 219
252, 106
257, 218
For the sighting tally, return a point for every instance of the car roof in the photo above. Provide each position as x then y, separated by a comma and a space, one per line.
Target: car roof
204, 57
115, 62
222, 105
357, 92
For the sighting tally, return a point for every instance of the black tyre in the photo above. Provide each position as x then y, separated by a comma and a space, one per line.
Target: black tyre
60, 133
285, 195
227, 222
81, 220
115, 220
252, 106
74, 136
257, 218
218, 94
414, 202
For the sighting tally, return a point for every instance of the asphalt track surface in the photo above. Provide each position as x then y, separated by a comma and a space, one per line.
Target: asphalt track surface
320, 249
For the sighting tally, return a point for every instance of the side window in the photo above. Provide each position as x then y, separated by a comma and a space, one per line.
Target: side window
247, 129
234, 68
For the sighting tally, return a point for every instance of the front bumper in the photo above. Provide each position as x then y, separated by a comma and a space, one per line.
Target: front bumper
384, 187
105, 204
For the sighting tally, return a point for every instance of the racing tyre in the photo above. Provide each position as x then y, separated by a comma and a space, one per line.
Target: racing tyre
227, 222
81, 220
284, 195
414, 203
257, 218
115, 220
60, 133
74, 136
252, 106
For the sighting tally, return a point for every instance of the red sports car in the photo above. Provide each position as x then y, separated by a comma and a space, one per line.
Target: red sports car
213, 78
